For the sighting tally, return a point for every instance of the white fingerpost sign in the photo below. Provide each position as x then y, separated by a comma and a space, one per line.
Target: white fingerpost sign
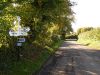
21, 31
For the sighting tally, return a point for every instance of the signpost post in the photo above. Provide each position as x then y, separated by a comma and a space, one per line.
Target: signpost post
19, 46
21, 31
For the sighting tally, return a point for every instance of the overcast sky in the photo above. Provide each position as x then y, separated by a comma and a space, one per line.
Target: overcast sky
87, 13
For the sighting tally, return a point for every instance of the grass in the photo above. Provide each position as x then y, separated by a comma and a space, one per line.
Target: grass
90, 43
29, 66
26, 66
95, 44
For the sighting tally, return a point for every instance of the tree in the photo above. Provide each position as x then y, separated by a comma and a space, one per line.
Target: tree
48, 21
46, 18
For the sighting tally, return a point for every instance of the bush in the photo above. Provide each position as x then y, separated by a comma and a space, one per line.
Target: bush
90, 35
91, 38
71, 36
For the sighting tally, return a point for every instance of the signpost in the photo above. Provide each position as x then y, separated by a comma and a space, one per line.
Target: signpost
19, 44
21, 31
21, 40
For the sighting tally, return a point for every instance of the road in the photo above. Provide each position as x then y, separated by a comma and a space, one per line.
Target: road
73, 59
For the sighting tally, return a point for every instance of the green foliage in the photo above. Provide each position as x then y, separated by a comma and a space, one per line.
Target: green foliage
47, 20
91, 37
81, 30
72, 36
40, 16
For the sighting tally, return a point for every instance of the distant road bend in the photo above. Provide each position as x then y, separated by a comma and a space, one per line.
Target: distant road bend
73, 59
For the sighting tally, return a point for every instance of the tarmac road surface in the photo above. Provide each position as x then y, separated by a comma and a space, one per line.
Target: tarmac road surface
73, 59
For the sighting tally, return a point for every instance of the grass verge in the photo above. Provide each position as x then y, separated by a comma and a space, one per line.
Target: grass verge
28, 66
90, 43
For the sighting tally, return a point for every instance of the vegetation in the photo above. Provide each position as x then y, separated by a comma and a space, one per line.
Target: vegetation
91, 38
48, 20
81, 30
72, 35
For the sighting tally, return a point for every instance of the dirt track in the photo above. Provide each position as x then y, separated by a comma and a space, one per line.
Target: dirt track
73, 59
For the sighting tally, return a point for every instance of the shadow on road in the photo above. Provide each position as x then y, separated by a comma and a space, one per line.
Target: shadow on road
73, 59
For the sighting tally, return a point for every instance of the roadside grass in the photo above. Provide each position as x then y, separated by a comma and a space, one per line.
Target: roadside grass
29, 66
95, 44
26, 66
90, 43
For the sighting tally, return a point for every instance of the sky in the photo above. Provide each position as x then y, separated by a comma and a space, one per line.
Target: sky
87, 13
